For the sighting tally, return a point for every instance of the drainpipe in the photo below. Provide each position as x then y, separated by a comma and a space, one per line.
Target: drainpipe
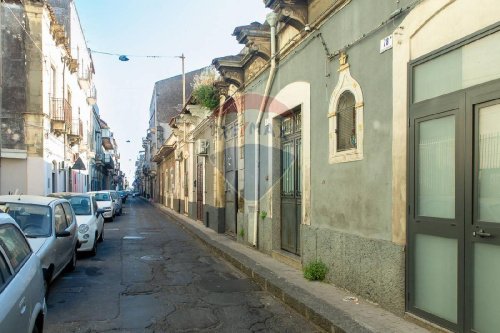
272, 19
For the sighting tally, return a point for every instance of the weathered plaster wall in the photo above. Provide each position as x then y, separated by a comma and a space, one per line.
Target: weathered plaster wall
14, 78
13, 176
351, 203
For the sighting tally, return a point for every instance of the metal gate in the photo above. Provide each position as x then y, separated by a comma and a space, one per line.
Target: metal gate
291, 182
231, 171
199, 190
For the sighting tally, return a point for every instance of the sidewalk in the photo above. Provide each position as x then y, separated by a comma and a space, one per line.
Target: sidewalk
321, 303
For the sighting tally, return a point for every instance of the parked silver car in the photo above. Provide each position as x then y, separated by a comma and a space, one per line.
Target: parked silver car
118, 202
22, 293
51, 229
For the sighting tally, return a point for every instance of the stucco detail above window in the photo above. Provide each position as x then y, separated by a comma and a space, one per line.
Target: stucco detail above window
346, 83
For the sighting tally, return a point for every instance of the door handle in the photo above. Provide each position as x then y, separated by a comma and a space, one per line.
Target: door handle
481, 234
22, 306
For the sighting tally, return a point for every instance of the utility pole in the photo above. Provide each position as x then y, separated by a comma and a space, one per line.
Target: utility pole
183, 81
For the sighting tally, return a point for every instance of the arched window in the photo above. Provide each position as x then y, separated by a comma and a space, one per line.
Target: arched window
345, 115
346, 122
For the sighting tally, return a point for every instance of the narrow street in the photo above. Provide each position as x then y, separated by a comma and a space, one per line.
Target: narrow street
151, 276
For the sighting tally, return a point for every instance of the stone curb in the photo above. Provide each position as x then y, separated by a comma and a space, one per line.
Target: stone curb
320, 313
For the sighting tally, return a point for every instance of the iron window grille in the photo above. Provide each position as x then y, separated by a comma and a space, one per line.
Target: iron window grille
346, 122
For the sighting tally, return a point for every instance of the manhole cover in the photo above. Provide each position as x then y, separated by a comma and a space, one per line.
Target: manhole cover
153, 257
133, 238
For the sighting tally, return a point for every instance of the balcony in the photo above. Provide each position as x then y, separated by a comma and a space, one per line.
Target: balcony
75, 133
108, 162
92, 96
73, 65
60, 116
84, 79
99, 159
107, 139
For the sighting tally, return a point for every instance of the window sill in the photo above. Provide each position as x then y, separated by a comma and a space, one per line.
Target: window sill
346, 156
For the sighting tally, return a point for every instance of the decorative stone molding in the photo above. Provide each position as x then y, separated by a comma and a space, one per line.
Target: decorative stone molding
293, 12
254, 68
256, 37
346, 83
231, 69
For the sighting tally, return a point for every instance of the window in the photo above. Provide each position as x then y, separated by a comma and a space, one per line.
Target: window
60, 218
15, 246
346, 122
94, 204
345, 116
69, 211
5, 272
34, 220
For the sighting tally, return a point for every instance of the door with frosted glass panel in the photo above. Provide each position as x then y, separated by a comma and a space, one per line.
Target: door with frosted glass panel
436, 215
454, 210
482, 234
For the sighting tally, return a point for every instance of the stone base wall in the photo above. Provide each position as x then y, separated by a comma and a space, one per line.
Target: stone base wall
372, 269
177, 205
213, 218
193, 211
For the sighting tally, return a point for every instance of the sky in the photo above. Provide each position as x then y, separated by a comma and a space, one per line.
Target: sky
199, 29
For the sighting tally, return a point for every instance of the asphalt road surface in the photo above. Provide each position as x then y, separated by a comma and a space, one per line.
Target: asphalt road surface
151, 276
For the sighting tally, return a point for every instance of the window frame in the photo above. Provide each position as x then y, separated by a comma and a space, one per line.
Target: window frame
19, 266
346, 83
56, 230
71, 213
5, 280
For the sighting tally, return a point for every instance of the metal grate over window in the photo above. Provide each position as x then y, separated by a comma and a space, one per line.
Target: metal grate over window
346, 122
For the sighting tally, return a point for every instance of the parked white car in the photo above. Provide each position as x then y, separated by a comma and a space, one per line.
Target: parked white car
88, 218
22, 293
105, 202
50, 226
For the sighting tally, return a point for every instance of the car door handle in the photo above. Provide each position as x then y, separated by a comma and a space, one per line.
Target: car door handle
481, 233
22, 306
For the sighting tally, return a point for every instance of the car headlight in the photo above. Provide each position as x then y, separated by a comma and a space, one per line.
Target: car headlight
83, 228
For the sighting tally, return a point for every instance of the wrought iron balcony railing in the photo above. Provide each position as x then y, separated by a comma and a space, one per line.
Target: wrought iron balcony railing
60, 114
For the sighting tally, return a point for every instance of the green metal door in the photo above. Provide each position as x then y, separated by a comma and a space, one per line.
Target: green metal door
291, 182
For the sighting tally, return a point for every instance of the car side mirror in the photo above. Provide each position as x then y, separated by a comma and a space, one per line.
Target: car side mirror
99, 211
64, 233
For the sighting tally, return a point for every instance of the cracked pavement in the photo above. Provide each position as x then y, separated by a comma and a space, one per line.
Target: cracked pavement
151, 276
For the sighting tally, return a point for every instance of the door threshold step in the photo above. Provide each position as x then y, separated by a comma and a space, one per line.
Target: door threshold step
288, 258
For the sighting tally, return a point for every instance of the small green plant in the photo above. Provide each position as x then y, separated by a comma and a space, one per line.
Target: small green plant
263, 214
315, 271
207, 95
242, 233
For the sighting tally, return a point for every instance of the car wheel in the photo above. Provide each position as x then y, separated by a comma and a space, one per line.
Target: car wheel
72, 264
101, 237
35, 329
93, 252
111, 218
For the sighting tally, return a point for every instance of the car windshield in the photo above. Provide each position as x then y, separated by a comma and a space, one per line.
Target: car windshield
102, 197
80, 204
34, 220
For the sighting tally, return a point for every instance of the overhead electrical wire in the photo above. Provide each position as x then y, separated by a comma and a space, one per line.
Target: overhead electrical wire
131, 55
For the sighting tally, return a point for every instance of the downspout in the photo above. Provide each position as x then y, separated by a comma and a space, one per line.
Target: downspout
272, 19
